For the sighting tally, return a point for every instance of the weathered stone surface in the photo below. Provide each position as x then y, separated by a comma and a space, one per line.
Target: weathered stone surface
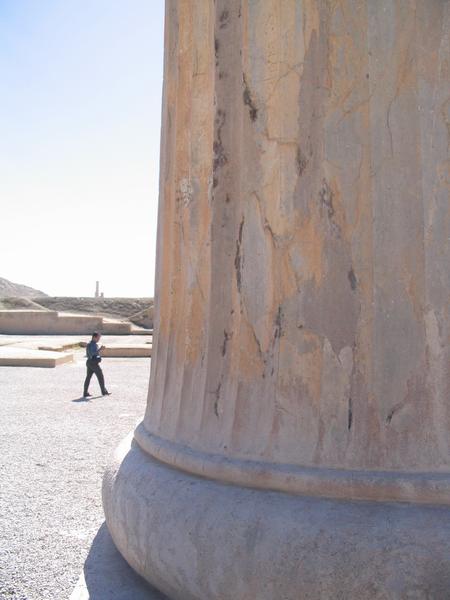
302, 310
303, 263
197, 538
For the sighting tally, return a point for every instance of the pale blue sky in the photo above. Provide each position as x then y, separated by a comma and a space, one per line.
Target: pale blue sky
80, 112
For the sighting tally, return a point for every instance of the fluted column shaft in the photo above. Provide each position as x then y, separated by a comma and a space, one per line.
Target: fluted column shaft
303, 312
302, 308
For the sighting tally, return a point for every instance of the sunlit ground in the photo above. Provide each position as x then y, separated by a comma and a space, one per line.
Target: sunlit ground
53, 452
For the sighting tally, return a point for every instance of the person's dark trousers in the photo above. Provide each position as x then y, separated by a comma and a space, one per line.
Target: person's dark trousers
94, 367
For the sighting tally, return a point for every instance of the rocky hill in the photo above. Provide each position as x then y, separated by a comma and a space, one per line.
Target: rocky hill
144, 318
21, 297
106, 307
8, 289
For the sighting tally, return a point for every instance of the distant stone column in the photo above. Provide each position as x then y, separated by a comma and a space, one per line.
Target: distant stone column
296, 442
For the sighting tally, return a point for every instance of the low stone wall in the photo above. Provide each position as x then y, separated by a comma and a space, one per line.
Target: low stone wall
115, 328
35, 322
27, 357
128, 351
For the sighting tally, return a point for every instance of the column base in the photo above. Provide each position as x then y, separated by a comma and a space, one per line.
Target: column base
197, 539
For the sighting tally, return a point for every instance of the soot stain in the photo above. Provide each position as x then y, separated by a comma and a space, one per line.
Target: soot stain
226, 338
224, 18
220, 157
326, 198
278, 324
217, 398
301, 161
238, 257
248, 100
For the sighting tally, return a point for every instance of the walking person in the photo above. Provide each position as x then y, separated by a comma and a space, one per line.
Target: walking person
93, 365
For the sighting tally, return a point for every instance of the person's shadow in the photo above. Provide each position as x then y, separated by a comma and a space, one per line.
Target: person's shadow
107, 575
88, 399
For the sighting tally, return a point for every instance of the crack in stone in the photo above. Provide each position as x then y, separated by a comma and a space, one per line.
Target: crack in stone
248, 100
301, 161
226, 338
224, 18
216, 50
278, 324
220, 157
388, 125
217, 398
326, 198
352, 279
393, 411
238, 257
268, 228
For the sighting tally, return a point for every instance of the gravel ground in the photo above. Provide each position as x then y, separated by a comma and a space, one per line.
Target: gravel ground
53, 452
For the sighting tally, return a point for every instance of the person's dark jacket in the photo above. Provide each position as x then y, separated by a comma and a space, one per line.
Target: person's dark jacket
92, 352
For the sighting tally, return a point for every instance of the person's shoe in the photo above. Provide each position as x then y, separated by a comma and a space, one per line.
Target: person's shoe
106, 393
87, 395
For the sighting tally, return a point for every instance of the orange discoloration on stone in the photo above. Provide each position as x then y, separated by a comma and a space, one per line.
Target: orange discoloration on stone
310, 20
251, 360
303, 223
308, 239
304, 367
183, 253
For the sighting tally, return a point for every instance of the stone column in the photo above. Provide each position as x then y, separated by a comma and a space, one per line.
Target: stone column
296, 442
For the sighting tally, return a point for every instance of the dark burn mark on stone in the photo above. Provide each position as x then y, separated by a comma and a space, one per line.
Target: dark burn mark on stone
350, 414
394, 410
248, 100
227, 199
220, 157
301, 161
224, 18
258, 344
216, 50
238, 257
241, 227
326, 198
217, 398
226, 338
352, 279
268, 228
278, 324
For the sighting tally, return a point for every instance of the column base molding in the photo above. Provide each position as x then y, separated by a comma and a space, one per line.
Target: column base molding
387, 486
199, 539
